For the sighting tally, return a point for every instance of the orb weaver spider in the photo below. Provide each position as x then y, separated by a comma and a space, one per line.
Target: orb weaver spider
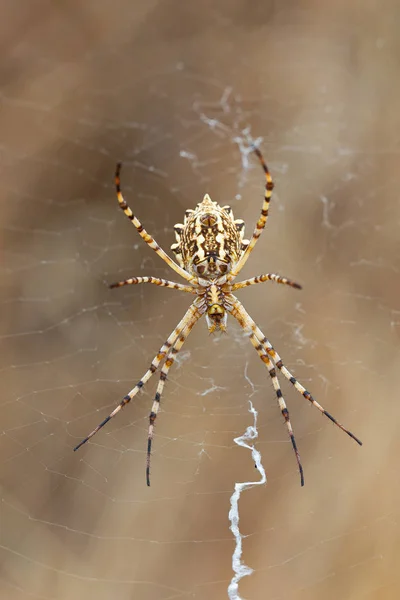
211, 251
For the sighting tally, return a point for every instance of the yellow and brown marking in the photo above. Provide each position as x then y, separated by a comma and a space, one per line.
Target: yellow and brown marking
208, 239
211, 251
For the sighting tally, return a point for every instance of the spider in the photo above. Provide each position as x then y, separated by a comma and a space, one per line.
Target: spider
211, 251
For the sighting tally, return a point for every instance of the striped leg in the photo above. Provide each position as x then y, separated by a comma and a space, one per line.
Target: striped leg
245, 322
143, 233
156, 281
239, 312
267, 277
169, 361
260, 225
262, 353
189, 316
301, 389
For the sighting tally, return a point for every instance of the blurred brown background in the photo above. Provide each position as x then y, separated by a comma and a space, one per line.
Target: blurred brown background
167, 87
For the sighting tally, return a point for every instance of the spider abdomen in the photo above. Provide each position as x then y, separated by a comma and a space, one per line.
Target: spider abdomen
209, 241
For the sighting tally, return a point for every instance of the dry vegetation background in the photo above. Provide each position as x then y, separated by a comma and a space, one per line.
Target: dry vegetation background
86, 83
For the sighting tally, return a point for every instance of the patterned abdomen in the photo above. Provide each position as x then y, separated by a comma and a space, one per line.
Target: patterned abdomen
209, 241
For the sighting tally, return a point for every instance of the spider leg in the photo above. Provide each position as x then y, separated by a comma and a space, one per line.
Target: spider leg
143, 233
239, 312
267, 277
156, 281
301, 389
260, 225
189, 315
263, 354
169, 361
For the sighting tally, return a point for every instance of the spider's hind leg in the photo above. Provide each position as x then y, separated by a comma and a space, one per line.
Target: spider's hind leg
262, 220
141, 230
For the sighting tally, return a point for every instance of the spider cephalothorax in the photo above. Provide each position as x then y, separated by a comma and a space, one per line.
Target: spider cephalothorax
211, 252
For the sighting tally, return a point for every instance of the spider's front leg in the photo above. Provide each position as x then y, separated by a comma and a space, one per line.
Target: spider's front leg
245, 321
169, 361
300, 388
190, 315
265, 350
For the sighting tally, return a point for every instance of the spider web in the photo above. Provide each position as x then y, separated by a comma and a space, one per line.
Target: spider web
172, 90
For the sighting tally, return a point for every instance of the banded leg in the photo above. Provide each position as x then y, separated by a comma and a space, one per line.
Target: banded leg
262, 278
262, 353
169, 361
301, 389
156, 281
260, 225
143, 233
240, 313
188, 317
